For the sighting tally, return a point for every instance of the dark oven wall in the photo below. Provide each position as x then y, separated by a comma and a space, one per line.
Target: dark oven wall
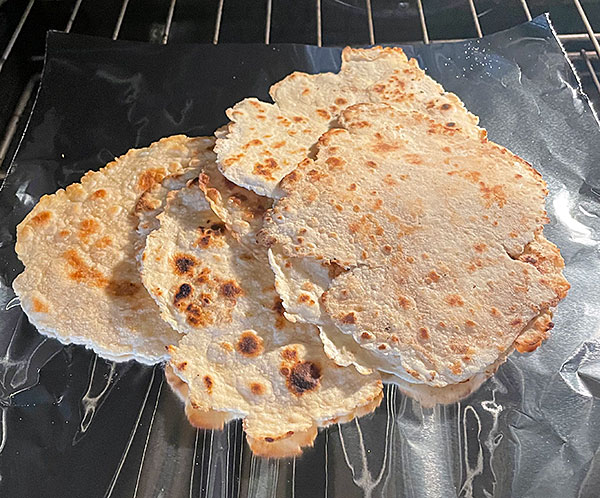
23, 24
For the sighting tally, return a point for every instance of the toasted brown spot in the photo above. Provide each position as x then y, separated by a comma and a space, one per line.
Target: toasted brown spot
384, 147
456, 368
257, 388
285, 371
289, 354
227, 346
334, 162
516, 322
149, 178
83, 273
366, 336
208, 236
145, 203
184, 263
494, 312
445, 107
208, 382
249, 344
404, 301
236, 157
494, 194
341, 101
42, 218
105, 242
278, 145
382, 347
206, 299
252, 143
454, 300
349, 318
470, 323
198, 317
122, 288
315, 175
304, 376
87, 228
459, 348
413, 159
182, 365
64, 233
433, 276
371, 164
266, 168
39, 306
389, 180
98, 194
406, 229
442, 325
323, 113
352, 187
184, 291
230, 289
424, 333
480, 247
305, 298
472, 176
202, 276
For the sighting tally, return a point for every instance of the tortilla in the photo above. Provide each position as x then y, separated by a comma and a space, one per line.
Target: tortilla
240, 209
297, 277
434, 231
264, 142
240, 358
81, 284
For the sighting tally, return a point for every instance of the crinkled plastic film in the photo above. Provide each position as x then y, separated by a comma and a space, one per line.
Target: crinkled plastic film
73, 424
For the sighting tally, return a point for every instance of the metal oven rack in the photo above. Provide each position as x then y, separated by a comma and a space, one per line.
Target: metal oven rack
320, 22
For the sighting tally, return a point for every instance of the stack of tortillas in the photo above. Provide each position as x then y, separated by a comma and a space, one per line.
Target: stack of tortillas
360, 229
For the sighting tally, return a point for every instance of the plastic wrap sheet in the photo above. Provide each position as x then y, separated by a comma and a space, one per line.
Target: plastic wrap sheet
72, 424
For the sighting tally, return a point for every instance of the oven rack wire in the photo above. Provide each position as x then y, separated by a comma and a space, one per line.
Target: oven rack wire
14, 125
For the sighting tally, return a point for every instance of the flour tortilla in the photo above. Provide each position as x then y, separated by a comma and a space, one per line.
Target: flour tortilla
264, 142
152, 202
240, 358
297, 277
432, 228
81, 284
240, 209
